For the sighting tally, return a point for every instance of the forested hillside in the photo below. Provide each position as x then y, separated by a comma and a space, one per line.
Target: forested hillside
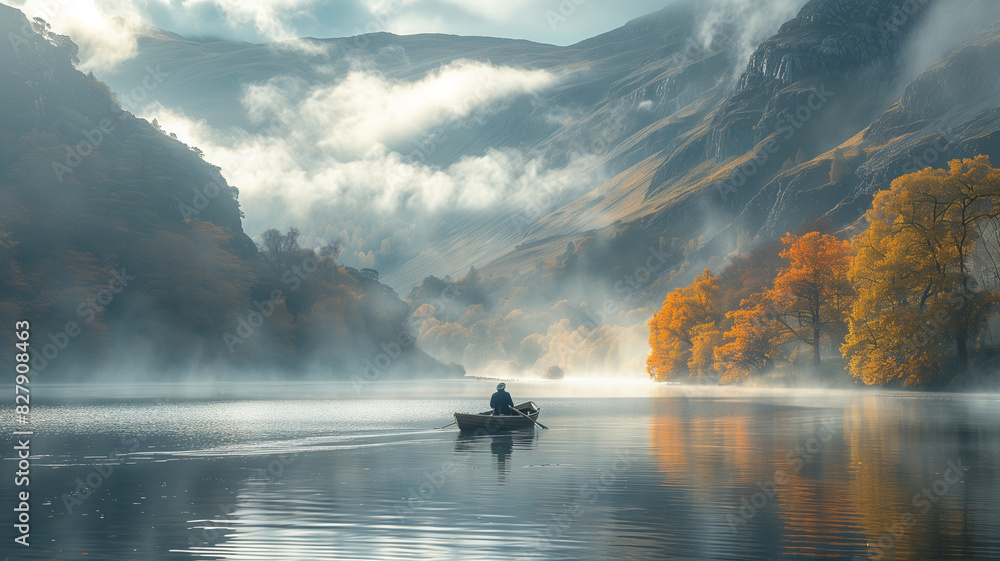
125, 249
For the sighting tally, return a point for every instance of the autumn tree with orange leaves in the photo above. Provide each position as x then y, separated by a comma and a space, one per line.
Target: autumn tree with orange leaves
807, 302
910, 296
753, 341
925, 274
811, 297
685, 331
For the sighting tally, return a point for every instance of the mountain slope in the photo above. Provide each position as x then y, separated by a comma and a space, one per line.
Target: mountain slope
126, 252
816, 83
950, 111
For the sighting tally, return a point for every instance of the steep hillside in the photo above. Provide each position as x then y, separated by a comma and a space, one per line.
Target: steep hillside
950, 111
126, 252
812, 86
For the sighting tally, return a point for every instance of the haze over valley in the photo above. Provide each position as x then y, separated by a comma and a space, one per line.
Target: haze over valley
518, 208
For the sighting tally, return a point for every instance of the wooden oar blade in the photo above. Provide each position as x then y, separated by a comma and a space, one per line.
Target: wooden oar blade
529, 418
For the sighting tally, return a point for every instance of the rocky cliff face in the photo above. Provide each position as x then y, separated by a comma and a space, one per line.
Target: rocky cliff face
851, 47
950, 111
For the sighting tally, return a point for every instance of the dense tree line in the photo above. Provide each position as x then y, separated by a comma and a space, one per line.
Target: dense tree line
905, 302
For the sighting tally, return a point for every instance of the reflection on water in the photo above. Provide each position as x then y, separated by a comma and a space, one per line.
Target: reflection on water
501, 445
673, 475
878, 478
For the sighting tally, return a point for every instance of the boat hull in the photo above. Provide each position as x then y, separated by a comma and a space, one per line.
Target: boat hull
496, 423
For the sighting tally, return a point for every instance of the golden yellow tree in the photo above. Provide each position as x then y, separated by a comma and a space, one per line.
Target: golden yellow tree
921, 296
705, 339
812, 295
686, 321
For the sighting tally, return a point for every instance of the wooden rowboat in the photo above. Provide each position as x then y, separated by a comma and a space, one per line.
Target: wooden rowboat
489, 423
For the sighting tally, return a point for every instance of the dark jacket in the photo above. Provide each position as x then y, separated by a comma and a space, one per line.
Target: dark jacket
501, 402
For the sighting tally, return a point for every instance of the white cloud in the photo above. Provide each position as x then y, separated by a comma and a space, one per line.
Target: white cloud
365, 110
326, 157
104, 29
744, 24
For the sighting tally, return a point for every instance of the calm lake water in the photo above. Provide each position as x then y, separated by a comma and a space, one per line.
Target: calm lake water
626, 471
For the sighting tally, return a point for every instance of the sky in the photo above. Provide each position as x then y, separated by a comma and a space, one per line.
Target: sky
560, 22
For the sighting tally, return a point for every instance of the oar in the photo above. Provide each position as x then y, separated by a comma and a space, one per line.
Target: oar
448, 425
529, 418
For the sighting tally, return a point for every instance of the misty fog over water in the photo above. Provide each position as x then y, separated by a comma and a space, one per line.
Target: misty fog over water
640, 472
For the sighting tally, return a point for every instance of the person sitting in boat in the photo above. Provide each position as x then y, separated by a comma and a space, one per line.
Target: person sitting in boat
501, 402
